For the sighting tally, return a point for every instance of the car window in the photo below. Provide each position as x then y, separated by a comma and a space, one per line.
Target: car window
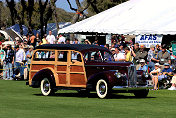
44, 56
62, 56
75, 57
93, 56
108, 56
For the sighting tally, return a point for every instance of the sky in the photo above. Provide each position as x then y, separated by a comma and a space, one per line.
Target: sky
64, 5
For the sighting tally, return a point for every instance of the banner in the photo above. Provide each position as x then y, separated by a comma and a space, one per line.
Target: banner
148, 40
174, 48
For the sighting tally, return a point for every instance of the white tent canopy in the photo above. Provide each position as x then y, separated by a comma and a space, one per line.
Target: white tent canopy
132, 17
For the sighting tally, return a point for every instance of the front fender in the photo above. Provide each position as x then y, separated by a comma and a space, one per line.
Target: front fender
45, 72
109, 76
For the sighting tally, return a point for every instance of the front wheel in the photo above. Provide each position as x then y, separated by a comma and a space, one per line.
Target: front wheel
141, 93
102, 88
46, 87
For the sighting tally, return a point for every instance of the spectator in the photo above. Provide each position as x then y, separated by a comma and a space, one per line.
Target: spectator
165, 72
67, 41
106, 46
113, 51
20, 57
95, 42
154, 75
1, 56
173, 81
33, 40
151, 58
9, 60
44, 41
76, 41
86, 41
128, 56
134, 50
61, 39
121, 49
118, 56
141, 54
164, 56
51, 38
143, 66
38, 39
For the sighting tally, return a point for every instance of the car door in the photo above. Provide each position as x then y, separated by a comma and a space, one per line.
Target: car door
62, 68
77, 70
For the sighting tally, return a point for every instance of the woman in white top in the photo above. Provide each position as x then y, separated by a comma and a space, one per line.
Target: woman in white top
154, 75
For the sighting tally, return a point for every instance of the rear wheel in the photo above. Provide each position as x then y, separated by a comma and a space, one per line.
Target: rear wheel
102, 88
46, 87
141, 93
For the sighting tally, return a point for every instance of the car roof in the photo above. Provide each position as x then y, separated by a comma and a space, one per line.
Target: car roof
78, 47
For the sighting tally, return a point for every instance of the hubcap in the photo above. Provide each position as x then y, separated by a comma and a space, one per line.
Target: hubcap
102, 88
46, 86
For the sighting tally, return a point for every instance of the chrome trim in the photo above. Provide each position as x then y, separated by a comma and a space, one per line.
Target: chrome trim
126, 88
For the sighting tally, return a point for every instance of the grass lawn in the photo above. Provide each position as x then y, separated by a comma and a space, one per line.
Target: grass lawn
20, 101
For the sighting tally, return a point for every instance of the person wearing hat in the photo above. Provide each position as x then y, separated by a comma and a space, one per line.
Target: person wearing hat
28, 57
113, 51
9, 61
167, 71
154, 75
151, 57
163, 56
143, 66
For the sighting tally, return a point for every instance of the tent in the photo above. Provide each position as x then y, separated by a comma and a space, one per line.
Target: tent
132, 17
50, 26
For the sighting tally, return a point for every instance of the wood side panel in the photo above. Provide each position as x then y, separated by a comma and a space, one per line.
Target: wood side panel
38, 67
62, 78
32, 74
77, 79
76, 69
62, 68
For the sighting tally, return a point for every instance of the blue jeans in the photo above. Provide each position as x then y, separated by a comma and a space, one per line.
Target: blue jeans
8, 70
19, 66
151, 66
4, 70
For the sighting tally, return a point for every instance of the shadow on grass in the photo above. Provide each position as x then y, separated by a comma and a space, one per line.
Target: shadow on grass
94, 95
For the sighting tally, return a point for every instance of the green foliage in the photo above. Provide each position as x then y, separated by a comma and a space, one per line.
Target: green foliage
102, 5
62, 15
20, 101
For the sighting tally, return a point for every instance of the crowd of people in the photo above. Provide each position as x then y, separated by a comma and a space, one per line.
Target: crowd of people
158, 61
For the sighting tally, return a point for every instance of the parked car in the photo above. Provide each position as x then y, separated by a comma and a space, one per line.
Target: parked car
84, 68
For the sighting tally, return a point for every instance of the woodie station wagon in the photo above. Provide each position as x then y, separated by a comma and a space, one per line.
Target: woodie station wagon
84, 68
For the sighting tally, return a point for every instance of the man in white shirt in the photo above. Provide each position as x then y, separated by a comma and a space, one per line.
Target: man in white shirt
61, 39
19, 58
51, 38
118, 56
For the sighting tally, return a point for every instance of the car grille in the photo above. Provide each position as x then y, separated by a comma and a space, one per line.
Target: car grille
132, 75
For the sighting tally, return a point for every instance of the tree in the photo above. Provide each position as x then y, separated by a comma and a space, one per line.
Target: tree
97, 6
55, 13
11, 5
42, 7
79, 10
30, 10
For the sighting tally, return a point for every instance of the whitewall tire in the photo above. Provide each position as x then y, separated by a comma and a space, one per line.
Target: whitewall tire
46, 87
102, 88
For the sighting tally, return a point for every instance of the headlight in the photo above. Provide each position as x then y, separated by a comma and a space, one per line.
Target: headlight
118, 75
145, 74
